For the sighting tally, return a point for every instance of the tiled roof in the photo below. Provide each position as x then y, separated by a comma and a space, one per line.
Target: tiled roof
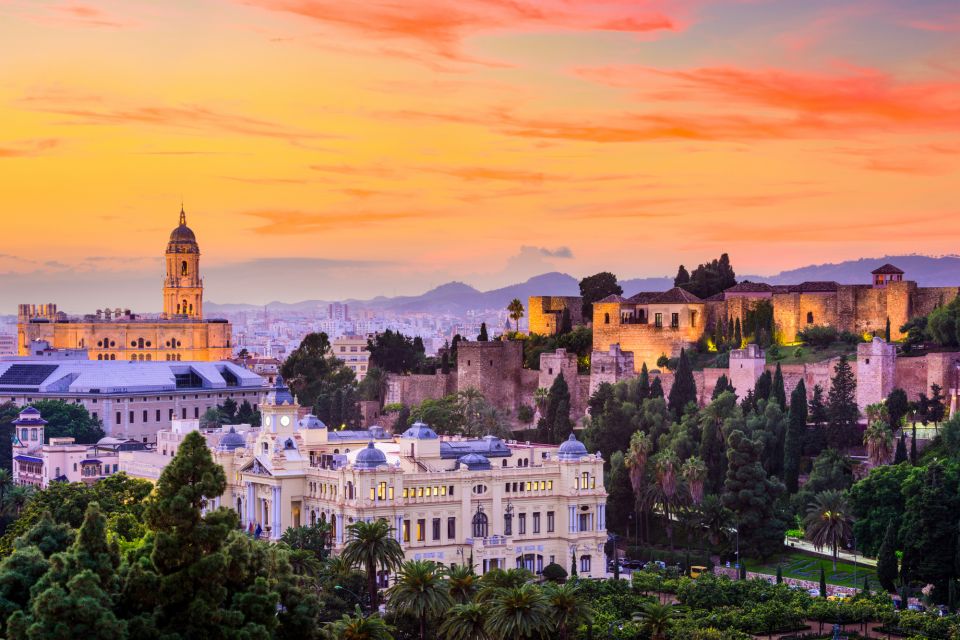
815, 287
613, 298
676, 296
717, 297
887, 269
749, 287
644, 297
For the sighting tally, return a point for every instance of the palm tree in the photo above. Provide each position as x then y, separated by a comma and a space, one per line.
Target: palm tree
715, 518
17, 498
695, 473
656, 619
568, 607
828, 524
879, 442
357, 627
462, 582
421, 592
540, 397
516, 312
519, 613
636, 462
665, 491
465, 621
497, 580
370, 545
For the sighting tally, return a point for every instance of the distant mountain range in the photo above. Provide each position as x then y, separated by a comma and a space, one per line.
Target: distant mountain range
459, 298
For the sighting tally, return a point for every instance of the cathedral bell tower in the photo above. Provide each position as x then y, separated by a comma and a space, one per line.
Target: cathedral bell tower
183, 286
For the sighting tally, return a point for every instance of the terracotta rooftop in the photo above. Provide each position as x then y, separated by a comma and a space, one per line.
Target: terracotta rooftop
613, 298
675, 296
887, 269
644, 297
749, 287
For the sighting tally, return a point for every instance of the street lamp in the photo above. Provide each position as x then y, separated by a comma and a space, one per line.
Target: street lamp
338, 587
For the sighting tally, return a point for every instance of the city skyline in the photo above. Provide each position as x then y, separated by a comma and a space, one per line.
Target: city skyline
370, 151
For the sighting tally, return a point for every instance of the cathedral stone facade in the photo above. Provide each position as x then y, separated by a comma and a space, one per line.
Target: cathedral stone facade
180, 333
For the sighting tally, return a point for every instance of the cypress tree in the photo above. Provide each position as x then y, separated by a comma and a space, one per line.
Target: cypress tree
573, 564
913, 446
823, 582
482, 337
684, 388
779, 574
752, 496
737, 335
555, 426
778, 391
723, 384
643, 384
866, 585
796, 433
656, 388
763, 387
818, 409
887, 558
886, 331
683, 277
743, 571
444, 363
901, 454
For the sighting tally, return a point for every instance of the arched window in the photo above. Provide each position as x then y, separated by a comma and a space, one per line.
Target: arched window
99, 356
149, 357
140, 343
480, 525
113, 356
606, 318
183, 268
183, 306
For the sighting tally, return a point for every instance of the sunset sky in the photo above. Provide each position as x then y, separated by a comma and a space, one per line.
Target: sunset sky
335, 148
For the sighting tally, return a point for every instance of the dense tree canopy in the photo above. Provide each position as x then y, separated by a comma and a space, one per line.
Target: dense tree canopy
710, 277
597, 287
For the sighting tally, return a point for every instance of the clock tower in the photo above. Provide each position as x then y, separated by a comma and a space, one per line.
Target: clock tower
279, 410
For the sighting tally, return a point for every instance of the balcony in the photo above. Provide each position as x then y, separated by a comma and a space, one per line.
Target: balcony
489, 541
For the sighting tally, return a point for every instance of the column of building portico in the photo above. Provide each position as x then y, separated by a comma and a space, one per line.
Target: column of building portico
276, 520
251, 505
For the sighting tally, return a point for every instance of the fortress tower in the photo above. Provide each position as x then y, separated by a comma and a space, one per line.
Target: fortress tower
183, 286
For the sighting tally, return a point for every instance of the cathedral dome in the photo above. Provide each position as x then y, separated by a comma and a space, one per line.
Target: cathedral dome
370, 458
182, 238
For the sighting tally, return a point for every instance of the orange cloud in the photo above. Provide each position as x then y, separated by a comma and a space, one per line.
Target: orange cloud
290, 222
94, 111
858, 100
28, 148
440, 26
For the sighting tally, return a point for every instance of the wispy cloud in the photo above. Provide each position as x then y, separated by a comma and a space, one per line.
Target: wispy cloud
27, 148
98, 110
439, 27
289, 222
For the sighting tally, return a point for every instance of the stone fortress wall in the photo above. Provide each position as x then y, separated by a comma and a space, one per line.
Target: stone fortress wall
545, 312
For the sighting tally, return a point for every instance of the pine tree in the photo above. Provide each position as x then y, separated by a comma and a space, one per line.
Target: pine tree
901, 453
778, 392
898, 406
656, 388
936, 409
482, 337
684, 389
796, 434
842, 407
752, 496
887, 570
737, 335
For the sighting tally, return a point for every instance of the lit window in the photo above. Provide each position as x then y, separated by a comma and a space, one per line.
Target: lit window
405, 492
443, 490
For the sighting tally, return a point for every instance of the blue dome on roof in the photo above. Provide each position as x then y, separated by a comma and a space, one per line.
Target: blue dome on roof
474, 462
311, 421
370, 458
230, 441
279, 393
572, 449
420, 431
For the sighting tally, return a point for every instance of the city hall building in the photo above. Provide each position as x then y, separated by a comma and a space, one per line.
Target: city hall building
503, 503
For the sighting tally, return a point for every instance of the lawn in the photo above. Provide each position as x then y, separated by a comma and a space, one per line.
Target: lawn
809, 355
807, 567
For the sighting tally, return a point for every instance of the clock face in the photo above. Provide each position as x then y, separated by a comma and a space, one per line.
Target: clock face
268, 420
285, 420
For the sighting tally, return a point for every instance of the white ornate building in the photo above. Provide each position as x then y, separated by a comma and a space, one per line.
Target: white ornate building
505, 504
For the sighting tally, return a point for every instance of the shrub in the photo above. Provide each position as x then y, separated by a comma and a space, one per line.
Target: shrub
554, 572
525, 414
819, 336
